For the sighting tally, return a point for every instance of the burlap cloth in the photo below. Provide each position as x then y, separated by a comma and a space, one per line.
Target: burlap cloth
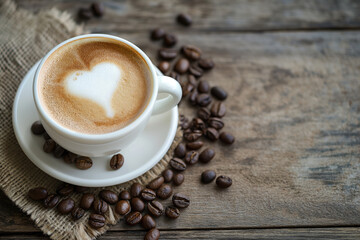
24, 39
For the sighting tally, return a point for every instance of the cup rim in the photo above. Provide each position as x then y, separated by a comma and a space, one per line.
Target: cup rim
104, 137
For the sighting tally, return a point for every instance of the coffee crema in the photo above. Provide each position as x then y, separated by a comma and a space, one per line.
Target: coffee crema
94, 85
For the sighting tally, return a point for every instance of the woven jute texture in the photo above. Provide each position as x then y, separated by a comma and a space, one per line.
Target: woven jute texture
24, 39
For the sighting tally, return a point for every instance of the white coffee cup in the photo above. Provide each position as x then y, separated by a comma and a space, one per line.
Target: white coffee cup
95, 145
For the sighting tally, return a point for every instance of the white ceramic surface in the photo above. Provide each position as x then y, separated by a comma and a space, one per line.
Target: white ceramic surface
140, 156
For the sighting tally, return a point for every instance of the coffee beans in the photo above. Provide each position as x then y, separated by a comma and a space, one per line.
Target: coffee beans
148, 222
219, 93
137, 204
164, 66
66, 206
196, 71
109, 196
168, 175
179, 179
203, 86
69, 157
133, 218
218, 109
167, 53
38, 193
169, 40
117, 161
223, 181
180, 200
215, 123
155, 208
59, 151
182, 65
87, 200
84, 13
100, 206
51, 201
123, 207
193, 136
172, 212
208, 176
204, 114
77, 213
153, 234
136, 189
194, 145
192, 98
156, 183
125, 195
191, 157
191, 52
65, 189
157, 34
206, 155
49, 145
206, 64
177, 164
96, 220
184, 19
148, 194
164, 192
97, 9
227, 138
37, 128
212, 134
203, 99
198, 124
180, 150
83, 163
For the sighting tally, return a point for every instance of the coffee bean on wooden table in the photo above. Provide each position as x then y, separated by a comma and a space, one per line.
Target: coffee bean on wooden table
193, 136
148, 222
212, 134
208, 176
172, 212
194, 145
77, 213
156, 183
157, 34
148, 194
125, 195
49, 145
206, 63
169, 40
51, 201
38, 193
164, 66
178, 179
152, 234
180, 150
218, 109
168, 175
83, 163
59, 151
196, 71
97, 9
223, 181
191, 157
167, 53
193, 96
192, 80
137, 204
198, 124
85, 14
123, 207
215, 123
182, 65
227, 138
136, 189
187, 88
177, 164
203, 113
100, 206
219, 93
203, 99
70, 157
164, 192
109, 196
117, 161
133, 218
37, 128
96, 220
191, 52
203, 86
65, 189
155, 208
87, 200
184, 19
206, 155
81, 189
66, 205
180, 200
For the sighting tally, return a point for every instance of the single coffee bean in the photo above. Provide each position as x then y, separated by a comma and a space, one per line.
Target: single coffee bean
148, 222
97, 9
77, 213
109, 196
46, 136
219, 93
65, 189
125, 195
155, 208
212, 134
180, 150
38, 193
168, 175
96, 220
218, 109
87, 200
83, 163
169, 40
215, 123
157, 34
100, 206
192, 98
177, 164
180, 200
194, 145
156, 183
49, 145
164, 192
66, 206
193, 136
59, 151
196, 71
182, 65
191, 52
206, 155
187, 88
85, 14
191, 157
81, 189
206, 64
203, 100
203, 86
123, 207
185, 125
198, 124
117, 161
204, 114
137, 204
223, 181
136, 189
227, 138
148, 194
174, 75
51, 201
167, 54
184, 19
152, 234
208, 176
133, 218
178, 179
164, 66
172, 212
37, 128
70, 157
192, 80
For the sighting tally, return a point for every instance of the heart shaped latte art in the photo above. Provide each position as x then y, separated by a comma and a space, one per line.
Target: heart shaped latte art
97, 85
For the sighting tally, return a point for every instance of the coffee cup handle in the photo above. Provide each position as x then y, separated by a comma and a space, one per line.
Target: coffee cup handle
171, 87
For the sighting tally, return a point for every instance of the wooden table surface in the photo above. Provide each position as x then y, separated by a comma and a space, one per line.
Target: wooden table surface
292, 71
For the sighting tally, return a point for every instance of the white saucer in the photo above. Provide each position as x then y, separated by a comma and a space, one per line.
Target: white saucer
140, 156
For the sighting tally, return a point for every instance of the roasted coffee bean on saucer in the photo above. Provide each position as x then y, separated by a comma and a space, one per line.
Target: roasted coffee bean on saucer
83, 163
117, 161
37, 128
